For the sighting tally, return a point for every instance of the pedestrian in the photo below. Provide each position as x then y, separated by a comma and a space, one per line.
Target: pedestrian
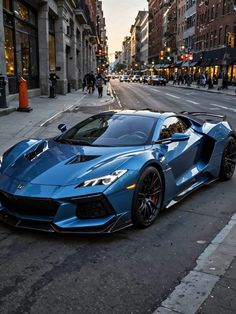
90, 82
225, 81
175, 77
99, 82
202, 80
84, 84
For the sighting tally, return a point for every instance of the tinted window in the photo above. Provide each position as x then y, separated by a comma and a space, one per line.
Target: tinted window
172, 125
112, 130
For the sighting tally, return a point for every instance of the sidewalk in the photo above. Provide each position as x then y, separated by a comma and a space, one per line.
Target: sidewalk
230, 91
210, 287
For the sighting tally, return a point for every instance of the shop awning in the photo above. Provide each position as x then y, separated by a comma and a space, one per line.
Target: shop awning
207, 62
194, 64
217, 62
178, 64
157, 66
185, 64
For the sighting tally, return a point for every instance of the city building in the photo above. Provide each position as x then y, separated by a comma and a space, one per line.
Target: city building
135, 38
155, 40
126, 52
215, 37
144, 24
46, 36
102, 47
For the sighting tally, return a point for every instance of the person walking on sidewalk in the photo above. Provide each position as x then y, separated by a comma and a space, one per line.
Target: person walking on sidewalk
100, 82
89, 80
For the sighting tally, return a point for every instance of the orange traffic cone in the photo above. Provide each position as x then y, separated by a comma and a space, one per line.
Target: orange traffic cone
23, 96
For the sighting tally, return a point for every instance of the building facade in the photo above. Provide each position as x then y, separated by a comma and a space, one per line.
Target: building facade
215, 36
43, 37
144, 39
126, 52
193, 36
156, 32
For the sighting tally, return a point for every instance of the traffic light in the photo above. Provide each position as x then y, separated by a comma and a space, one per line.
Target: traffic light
162, 54
100, 52
230, 40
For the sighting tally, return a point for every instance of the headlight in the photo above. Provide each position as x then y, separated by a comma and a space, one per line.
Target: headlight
1, 158
105, 180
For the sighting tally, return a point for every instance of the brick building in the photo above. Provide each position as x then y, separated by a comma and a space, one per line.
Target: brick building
155, 44
215, 26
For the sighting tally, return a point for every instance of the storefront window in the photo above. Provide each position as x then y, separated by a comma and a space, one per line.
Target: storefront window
9, 51
25, 13
22, 11
26, 41
52, 54
6, 4
22, 53
52, 45
33, 56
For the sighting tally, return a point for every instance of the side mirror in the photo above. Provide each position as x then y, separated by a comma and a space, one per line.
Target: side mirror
176, 137
179, 137
62, 127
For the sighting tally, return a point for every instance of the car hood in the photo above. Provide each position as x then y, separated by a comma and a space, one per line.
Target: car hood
48, 162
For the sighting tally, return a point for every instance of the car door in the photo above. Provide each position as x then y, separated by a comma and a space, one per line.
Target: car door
180, 157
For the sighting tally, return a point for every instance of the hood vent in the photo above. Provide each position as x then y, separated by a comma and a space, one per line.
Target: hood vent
82, 158
39, 149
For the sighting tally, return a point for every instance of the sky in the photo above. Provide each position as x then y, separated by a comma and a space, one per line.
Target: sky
119, 16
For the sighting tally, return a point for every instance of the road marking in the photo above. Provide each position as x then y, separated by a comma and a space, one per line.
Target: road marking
195, 288
192, 102
156, 90
172, 95
191, 94
224, 107
215, 109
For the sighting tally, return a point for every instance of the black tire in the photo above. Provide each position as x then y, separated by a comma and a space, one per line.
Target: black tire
228, 161
147, 199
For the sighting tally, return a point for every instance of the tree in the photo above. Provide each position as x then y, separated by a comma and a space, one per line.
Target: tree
119, 67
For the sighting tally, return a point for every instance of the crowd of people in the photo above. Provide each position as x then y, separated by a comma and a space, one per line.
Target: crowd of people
202, 79
90, 82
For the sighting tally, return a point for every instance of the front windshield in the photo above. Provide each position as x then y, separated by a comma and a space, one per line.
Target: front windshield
112, 130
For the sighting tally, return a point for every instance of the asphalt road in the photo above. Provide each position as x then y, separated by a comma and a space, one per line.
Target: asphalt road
140, 96
128, 272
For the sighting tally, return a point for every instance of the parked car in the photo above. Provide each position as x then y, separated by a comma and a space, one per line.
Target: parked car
113, 170
135, 78
124, 78
156, 80
144, 79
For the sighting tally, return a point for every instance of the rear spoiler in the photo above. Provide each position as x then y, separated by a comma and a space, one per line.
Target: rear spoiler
204, 114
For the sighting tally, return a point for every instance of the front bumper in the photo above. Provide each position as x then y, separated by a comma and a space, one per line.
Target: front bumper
87, 214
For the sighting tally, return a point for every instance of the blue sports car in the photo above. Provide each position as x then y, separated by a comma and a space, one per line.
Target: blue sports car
113, 170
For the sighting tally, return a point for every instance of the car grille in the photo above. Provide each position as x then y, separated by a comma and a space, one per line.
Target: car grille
29, 206
93, 207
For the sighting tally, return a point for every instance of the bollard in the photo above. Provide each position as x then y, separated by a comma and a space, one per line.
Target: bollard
23, 96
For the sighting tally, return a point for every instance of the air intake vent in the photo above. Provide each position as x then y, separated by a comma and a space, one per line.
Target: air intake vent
81, 158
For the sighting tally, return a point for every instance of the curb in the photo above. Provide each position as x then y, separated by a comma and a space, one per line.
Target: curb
214, 91
4, 112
